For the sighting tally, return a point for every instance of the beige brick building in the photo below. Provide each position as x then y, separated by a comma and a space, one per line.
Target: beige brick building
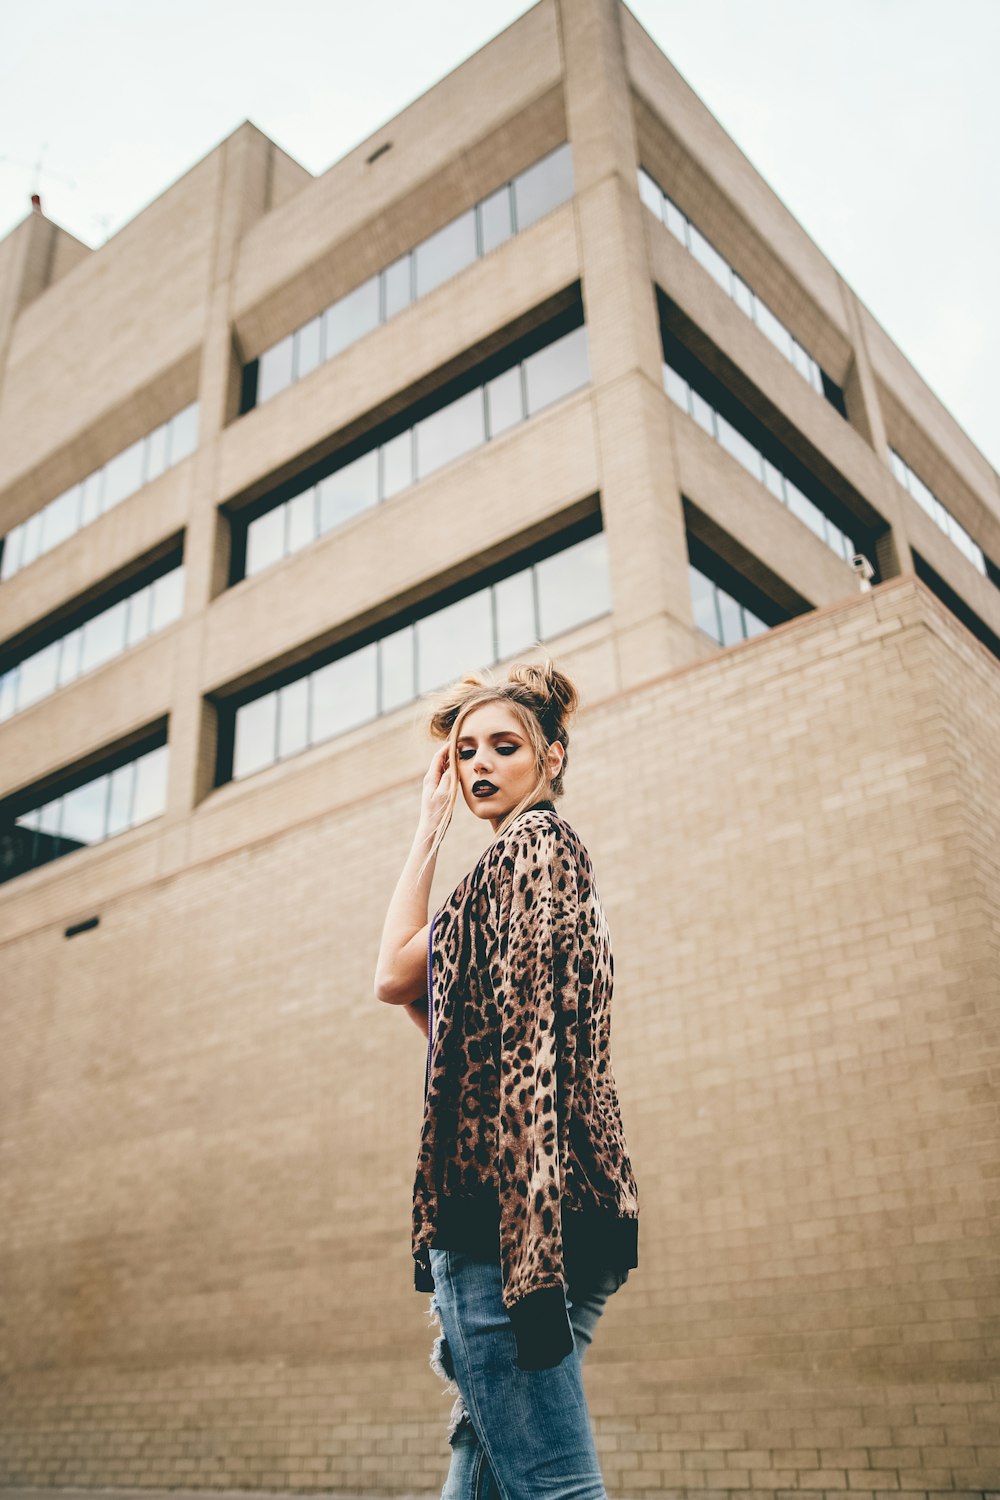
542, 360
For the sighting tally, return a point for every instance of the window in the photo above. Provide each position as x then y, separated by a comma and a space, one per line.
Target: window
941, 517
97, 638
734, 286
105, 488
547, 597
746, 453
446, 253
458, 426
513, 208
84, 814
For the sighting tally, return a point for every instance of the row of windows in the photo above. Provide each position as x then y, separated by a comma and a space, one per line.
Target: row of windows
109, 804
508, 211
942, 517
105, 488
718, 613
486, 411
735, 287
540, 601
92, 643
745, 452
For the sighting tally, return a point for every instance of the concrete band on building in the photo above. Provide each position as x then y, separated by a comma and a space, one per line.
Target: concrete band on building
543, 367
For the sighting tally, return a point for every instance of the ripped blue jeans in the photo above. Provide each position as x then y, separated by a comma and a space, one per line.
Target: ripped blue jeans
514, 1434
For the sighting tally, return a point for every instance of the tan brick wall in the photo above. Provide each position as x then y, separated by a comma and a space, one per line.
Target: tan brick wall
210, 1125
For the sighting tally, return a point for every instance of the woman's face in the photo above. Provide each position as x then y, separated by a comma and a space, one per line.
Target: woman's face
492, 747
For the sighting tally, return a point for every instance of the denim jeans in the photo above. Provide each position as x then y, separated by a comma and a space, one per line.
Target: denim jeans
515, 1434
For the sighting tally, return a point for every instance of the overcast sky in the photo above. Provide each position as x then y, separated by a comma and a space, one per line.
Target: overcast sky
875, 121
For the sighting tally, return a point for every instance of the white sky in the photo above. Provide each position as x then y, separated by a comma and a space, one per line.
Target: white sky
876, 121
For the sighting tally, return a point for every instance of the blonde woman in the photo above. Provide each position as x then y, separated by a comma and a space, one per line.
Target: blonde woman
525, 1206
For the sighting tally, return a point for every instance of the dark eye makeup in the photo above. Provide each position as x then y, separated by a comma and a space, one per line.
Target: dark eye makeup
464, 753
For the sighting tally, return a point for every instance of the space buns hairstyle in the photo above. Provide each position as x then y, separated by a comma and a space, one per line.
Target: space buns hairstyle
542, 698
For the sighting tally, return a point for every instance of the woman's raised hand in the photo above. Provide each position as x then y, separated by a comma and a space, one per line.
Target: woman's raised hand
436, 789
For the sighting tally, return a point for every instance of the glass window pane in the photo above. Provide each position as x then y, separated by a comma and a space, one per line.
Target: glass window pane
138, 616
729, 615
450, 432
84, 813
301, 520
167, 598
676, 387
703, 414
156, 452
898, 467
774, 481
650, 193
740, 447
293, 717
675, 221
396, 669
752, 624
742, 295
707, 256
573, 586
69, 656
544, 186
31, 545
104, 636
800, 505
61, 518
800, 359
445, 253
50, 816
307, 347
453, 638
266, 539
557, 370
93, 497
396, 286
120, 802
775, 331
397, 463
256, 727
344, 693
150, 797
350, 490
39, 675
123, 474
505, 401
495, 221
184, 432
31, 539
351, 318
703, 603
514, 600
274, 371
8, 693
11, 552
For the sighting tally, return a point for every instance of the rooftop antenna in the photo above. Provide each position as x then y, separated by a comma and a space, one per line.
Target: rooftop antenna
38, 171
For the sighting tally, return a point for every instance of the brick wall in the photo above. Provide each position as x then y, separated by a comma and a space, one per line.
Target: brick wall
209, 1126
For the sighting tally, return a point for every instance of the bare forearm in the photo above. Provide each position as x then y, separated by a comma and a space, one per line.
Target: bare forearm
407, 911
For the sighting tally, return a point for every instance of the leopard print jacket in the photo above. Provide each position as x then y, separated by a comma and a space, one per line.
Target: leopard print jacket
520, 1098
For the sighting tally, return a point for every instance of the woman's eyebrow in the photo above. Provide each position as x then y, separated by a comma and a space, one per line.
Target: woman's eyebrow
501, 734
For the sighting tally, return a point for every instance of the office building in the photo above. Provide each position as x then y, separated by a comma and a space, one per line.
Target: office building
543, 366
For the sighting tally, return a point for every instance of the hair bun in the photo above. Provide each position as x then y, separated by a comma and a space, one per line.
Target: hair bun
556, 697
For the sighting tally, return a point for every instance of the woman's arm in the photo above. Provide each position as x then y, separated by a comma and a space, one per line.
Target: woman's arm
418, 1011
401, 970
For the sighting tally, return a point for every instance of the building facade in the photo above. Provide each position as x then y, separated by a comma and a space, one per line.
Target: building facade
542, 364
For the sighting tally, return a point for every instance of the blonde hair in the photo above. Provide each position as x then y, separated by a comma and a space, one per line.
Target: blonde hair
542, 698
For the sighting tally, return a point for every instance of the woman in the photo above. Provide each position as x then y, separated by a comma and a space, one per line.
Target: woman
525, 1207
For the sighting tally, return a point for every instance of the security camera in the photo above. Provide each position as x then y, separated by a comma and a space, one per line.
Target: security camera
863, 568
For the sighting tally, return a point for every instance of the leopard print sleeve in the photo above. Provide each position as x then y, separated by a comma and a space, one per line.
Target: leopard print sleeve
535, 977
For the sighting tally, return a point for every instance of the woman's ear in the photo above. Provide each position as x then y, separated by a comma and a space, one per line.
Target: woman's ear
554, 759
